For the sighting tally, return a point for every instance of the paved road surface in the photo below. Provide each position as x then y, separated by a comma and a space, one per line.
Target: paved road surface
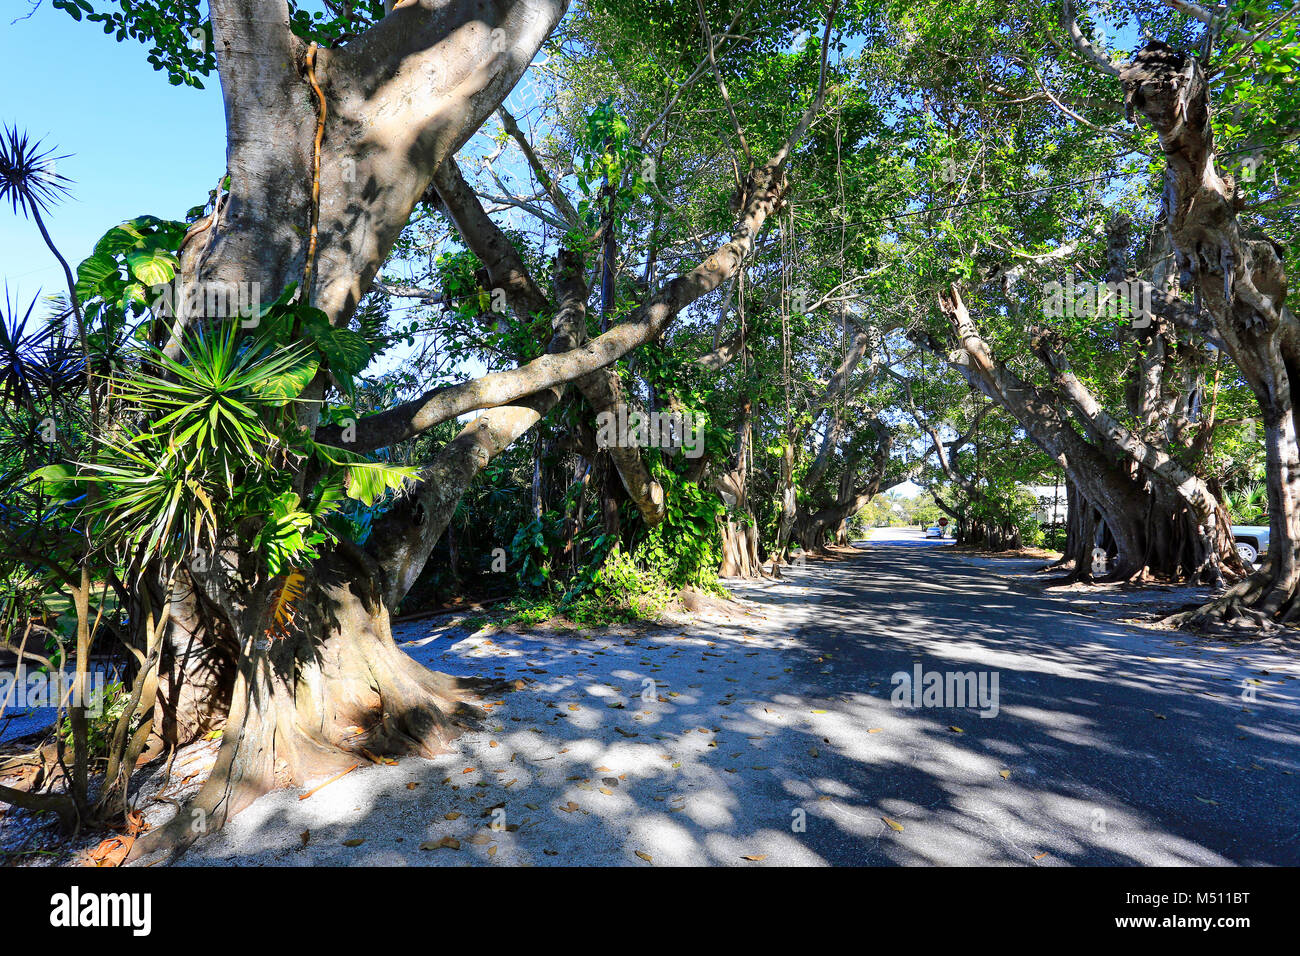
776, 738
1124, 746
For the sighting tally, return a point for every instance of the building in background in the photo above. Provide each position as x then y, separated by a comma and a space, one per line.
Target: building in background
1053, 506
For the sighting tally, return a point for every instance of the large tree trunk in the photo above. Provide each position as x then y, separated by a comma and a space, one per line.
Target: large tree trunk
789, 509
316, 697
738, 527
1178, 495
1240, 281
399, 101
1110, 489
310, 691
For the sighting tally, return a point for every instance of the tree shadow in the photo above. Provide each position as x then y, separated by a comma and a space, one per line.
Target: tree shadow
777, 740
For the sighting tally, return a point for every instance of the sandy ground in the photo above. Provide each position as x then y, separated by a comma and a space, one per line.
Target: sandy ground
675, 741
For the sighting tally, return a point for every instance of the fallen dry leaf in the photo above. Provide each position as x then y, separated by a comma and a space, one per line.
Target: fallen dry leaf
757, 858
449, 843
645, 856
355, 841
112, 851
893, 824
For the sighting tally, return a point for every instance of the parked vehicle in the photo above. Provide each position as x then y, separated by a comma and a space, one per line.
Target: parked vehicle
1252, 541
934, 531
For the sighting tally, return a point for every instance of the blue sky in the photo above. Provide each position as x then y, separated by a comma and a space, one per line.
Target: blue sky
136, 144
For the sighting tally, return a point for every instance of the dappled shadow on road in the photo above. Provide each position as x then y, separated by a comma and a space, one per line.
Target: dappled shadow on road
1129, 746
776, 739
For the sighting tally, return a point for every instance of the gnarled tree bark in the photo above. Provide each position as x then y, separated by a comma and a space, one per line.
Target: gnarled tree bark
1240, 282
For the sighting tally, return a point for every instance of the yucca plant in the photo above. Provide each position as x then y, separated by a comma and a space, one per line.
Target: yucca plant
29, 180
31, 184
208, 437
35, 361
219, 399
218, 445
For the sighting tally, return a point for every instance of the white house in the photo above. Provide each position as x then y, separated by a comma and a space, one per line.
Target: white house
1053, 507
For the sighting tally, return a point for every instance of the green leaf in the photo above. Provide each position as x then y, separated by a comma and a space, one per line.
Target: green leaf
347, 352
288, 384
121, 238
92, 273
56, 481
152, 266
368, 480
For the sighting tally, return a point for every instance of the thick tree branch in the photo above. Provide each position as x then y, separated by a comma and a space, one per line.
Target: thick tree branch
1094, 57
558, 198
645, 324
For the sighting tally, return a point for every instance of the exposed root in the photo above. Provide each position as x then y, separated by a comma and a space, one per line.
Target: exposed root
1234, 611
305, 710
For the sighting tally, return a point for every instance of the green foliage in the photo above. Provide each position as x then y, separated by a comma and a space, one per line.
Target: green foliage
177, 34
180, 38
203, 449
927, 514
622, 590
1053, 539
126, 280
610, 156
102, 715
216, 433
532, 548
683, 550
344, 352
1249, 505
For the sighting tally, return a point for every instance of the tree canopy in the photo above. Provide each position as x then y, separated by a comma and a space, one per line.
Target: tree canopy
581, 305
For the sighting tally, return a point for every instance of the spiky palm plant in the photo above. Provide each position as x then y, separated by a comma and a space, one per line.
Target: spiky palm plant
1249, 505
209, 429
31, 183
218, 446
29, 178
37, 363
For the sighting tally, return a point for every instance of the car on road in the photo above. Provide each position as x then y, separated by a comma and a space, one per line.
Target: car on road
934, 531
1252, 541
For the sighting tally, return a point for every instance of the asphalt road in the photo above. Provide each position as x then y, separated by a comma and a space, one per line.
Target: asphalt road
1123, 746
773, 739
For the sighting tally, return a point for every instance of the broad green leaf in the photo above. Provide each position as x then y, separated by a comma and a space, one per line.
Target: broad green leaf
92, 272
288, 384
152, 266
